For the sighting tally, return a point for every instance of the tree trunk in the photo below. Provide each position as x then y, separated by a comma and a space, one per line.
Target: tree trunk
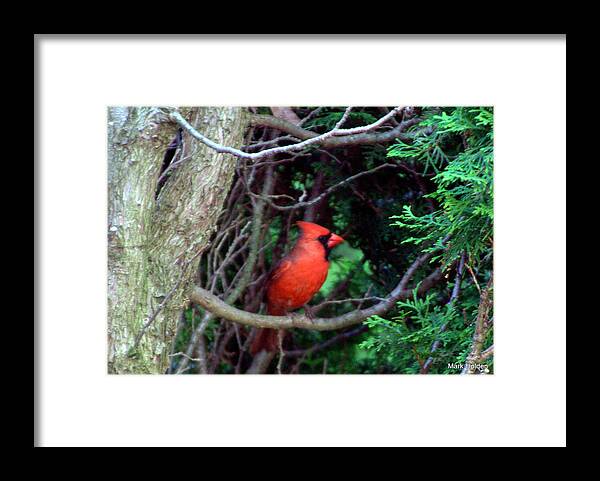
154, 242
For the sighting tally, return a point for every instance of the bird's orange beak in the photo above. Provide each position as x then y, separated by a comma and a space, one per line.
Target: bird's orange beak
334, 240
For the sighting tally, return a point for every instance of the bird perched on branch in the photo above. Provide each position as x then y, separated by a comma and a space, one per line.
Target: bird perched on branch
296, 278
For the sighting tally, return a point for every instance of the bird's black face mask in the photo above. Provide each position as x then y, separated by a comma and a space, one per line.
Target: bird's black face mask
324, 240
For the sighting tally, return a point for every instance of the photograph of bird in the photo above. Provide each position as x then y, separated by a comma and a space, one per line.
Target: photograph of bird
296, 278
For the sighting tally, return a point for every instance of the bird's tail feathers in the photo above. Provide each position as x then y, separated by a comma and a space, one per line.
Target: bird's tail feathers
266, 339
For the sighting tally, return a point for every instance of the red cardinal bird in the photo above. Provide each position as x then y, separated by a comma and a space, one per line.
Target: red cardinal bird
296, 278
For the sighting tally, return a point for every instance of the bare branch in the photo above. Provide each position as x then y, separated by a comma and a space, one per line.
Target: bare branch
325, 193
184, 355
335, 141
219, 308
366, 128
176, 116
359, 300
172, 166
220, 347
310, 116
334, 138
474, 278
453, 297
281, 352
485, 304
286, 113
328, 343
487, 353
265, 143
261, 144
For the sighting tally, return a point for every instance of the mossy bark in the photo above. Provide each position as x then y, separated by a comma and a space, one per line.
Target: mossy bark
154, 242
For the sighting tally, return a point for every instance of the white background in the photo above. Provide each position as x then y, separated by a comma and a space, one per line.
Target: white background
522, 404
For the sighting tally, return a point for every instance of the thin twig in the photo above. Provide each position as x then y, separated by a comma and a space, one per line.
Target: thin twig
487, 353
474, 278
184, 355
281, 353
453, 297
325, 193
262, 144
310, 116
343, 301
328, 343
172, 166
366, 128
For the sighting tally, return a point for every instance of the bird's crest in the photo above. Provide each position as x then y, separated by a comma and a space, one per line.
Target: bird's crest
312, 230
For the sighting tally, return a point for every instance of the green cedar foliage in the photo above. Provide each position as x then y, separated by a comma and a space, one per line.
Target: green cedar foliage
464, 180
455, 145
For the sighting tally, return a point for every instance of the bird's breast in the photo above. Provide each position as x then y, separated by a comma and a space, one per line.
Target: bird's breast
298, 284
